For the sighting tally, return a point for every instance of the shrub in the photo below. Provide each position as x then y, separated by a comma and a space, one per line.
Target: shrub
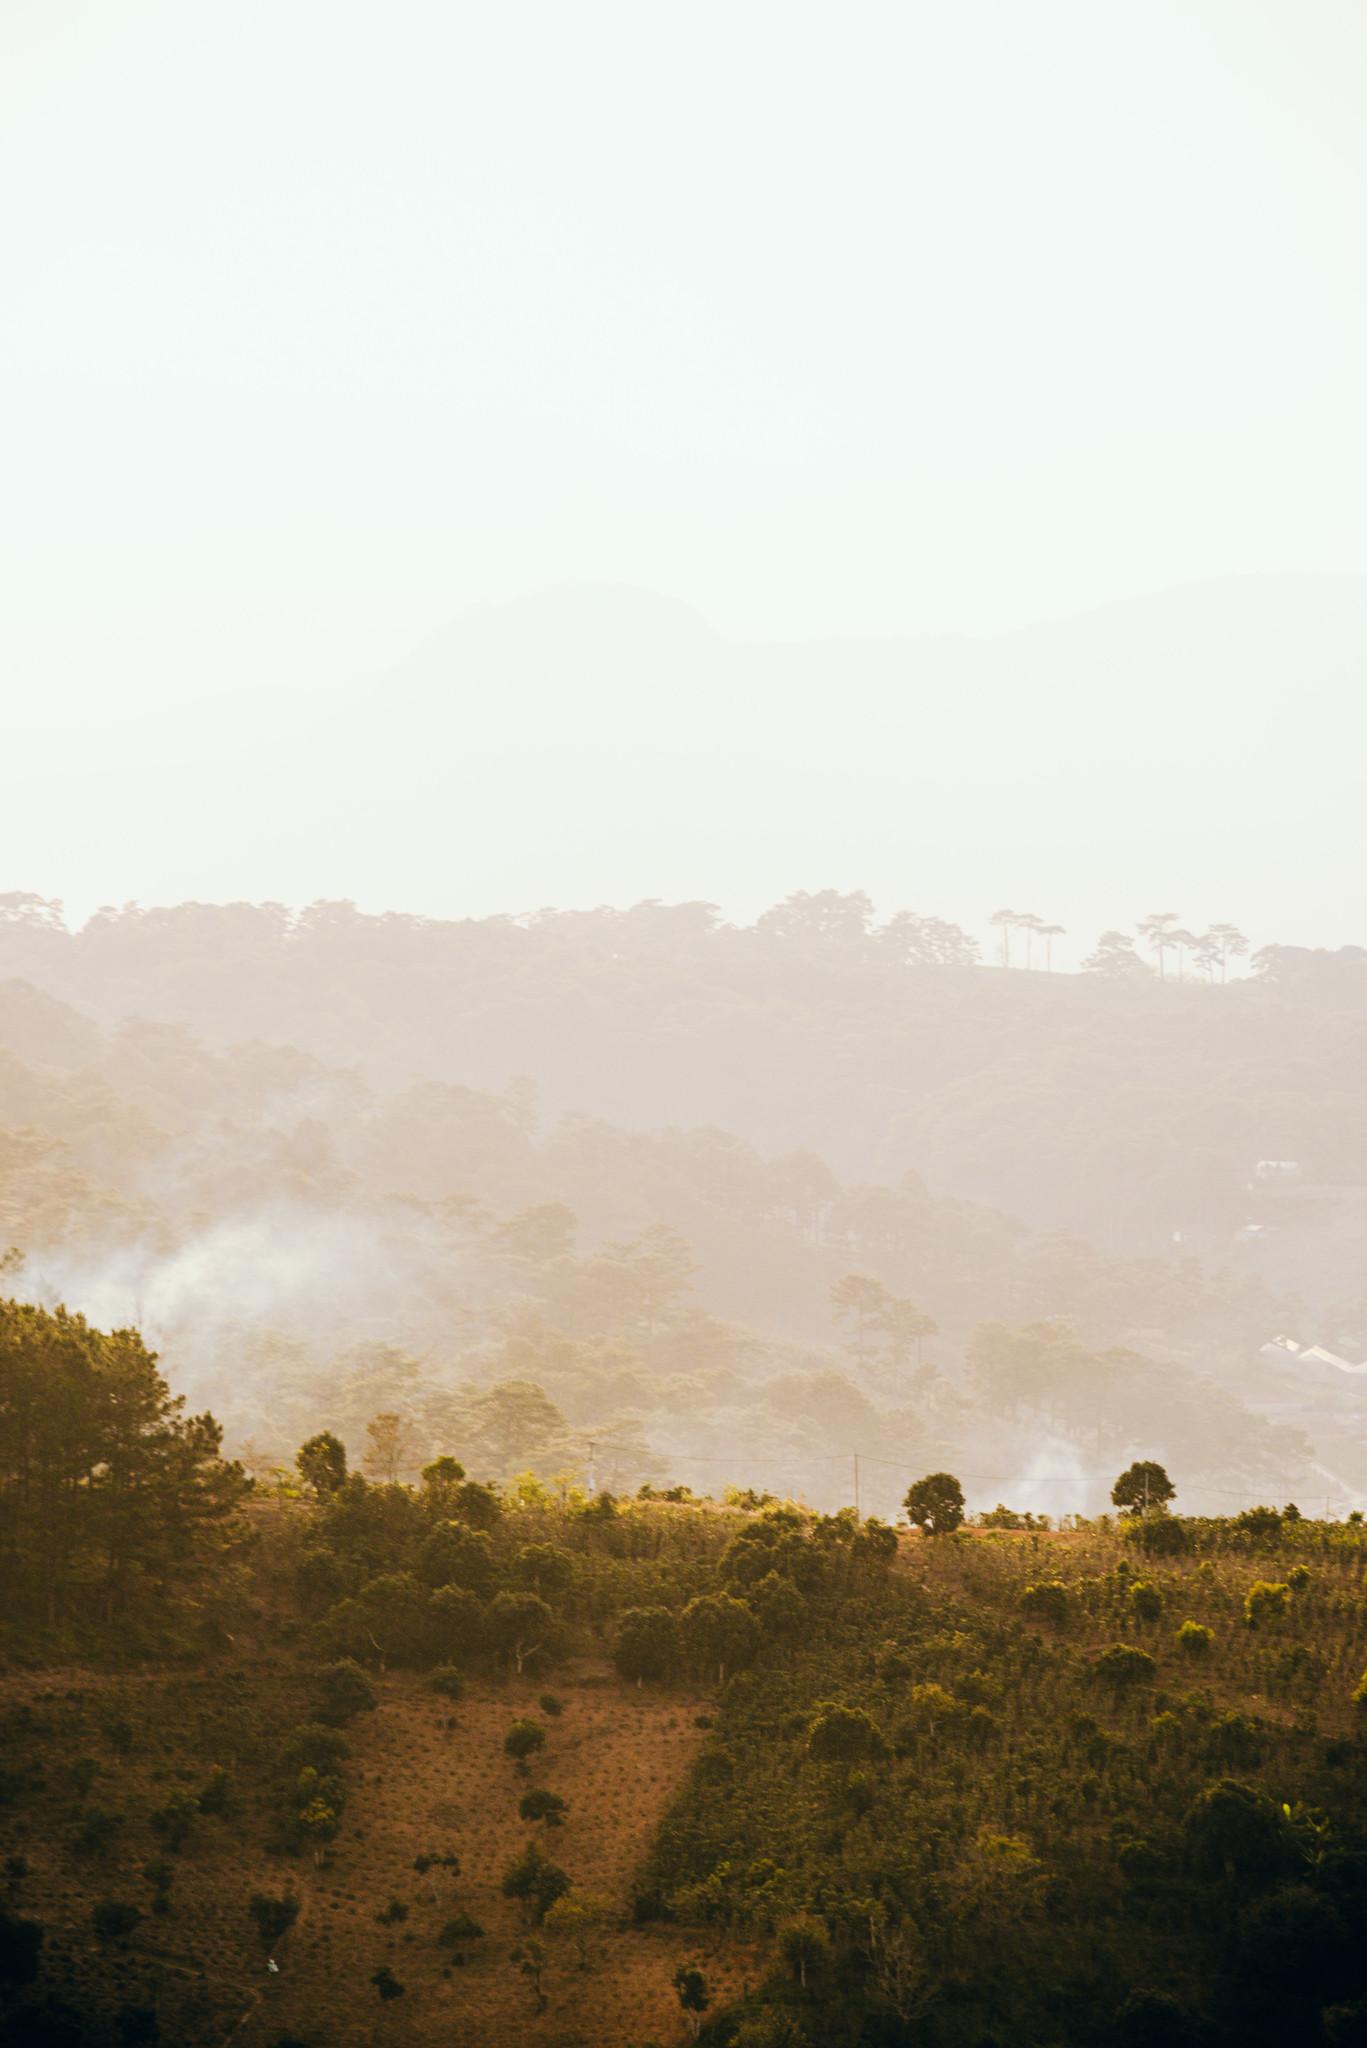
461, 1928
1123, 1666
1146, 1600
312, 1746
448, 1680
386, 1983
1266, 1601
549, 1704
1194, 1639
539, 1804
392, 1914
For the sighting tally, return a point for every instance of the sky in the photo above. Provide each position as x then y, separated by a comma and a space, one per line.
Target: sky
323, 324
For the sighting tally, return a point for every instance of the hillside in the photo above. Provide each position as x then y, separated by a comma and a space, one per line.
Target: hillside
525, 1763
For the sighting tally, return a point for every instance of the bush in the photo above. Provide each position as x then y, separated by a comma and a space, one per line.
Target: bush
1123, 1666
216, 1793
461, 1928
313, 1747
448, 1680
1266, 1601
1146, 1600
392, 1914
386, 1983
539, 1804
549, 1704
1194, 1639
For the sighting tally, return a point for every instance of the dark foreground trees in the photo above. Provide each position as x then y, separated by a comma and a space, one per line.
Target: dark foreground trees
110, 1495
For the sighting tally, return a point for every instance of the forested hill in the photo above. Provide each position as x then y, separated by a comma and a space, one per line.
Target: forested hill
1121, 1104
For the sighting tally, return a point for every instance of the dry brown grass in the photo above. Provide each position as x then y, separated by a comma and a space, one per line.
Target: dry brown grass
615, 1754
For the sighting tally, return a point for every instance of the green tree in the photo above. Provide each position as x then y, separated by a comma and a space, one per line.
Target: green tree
341, 1692
1235, 1832
718, 1633
322, 1464
523, 1740
1142, 1488
935, 1504
647, 1643
520, 1626
804, 1947
690, 1988
843, 1735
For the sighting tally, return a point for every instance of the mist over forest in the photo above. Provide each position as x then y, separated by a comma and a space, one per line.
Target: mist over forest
813, 1203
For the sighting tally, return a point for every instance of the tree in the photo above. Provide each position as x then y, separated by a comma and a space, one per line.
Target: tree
1123, 1667
906, 1328
935, 1504
341, 1692
1231, 945
1237, 1833
690, 1988
1142, 1488
1005, 921
864, 1300
110, 1496
844, 1735
578, 1915
718, 1633
1115, 959
274, 1916
457, 1623
523, 1740
520, 1625
322, 1464
535, 1881
647, 1643
1157, 928
391, 1446
1047, 1602
804, 1946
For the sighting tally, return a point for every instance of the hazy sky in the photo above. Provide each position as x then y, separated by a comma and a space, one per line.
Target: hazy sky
321, 322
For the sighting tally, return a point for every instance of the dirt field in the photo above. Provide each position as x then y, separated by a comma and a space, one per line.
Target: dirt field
417, 1787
